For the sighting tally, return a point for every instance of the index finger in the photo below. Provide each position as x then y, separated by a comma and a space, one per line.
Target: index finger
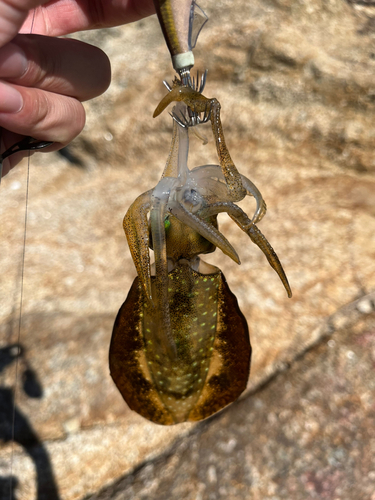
12, 15
61, 17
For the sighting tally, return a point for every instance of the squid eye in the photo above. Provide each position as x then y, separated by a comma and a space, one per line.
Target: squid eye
191, 198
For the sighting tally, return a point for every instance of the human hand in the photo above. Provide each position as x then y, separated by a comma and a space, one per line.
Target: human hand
44, 79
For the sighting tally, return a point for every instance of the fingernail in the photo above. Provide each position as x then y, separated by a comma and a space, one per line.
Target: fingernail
13, 62
10, 99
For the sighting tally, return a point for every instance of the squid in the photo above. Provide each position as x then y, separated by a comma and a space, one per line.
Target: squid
180, 348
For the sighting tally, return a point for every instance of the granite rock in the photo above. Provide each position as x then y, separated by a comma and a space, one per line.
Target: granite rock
296, 85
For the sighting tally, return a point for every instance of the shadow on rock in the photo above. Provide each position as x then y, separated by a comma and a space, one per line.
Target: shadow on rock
14, 426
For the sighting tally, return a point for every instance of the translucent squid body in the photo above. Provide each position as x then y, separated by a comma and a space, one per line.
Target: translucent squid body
180, 348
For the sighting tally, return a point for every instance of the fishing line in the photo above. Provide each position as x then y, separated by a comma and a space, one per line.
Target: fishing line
15, 390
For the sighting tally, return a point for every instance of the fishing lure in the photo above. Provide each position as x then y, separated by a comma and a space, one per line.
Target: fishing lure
180, 348
181, 22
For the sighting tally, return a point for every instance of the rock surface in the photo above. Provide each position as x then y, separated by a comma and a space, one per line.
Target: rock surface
297, 83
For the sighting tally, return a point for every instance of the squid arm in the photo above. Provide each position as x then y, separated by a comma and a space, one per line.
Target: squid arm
171, 167
137, 234
212, 178
256, 236
205, 229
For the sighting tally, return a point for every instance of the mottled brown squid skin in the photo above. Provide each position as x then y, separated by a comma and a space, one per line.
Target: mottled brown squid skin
208, 375
200, 104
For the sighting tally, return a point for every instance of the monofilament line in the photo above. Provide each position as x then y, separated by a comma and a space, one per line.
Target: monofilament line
21, 302
15, 390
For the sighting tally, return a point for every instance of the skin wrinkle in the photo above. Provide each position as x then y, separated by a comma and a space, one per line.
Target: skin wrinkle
38, 110
45, 16
67, 106
38, 64
96, 11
